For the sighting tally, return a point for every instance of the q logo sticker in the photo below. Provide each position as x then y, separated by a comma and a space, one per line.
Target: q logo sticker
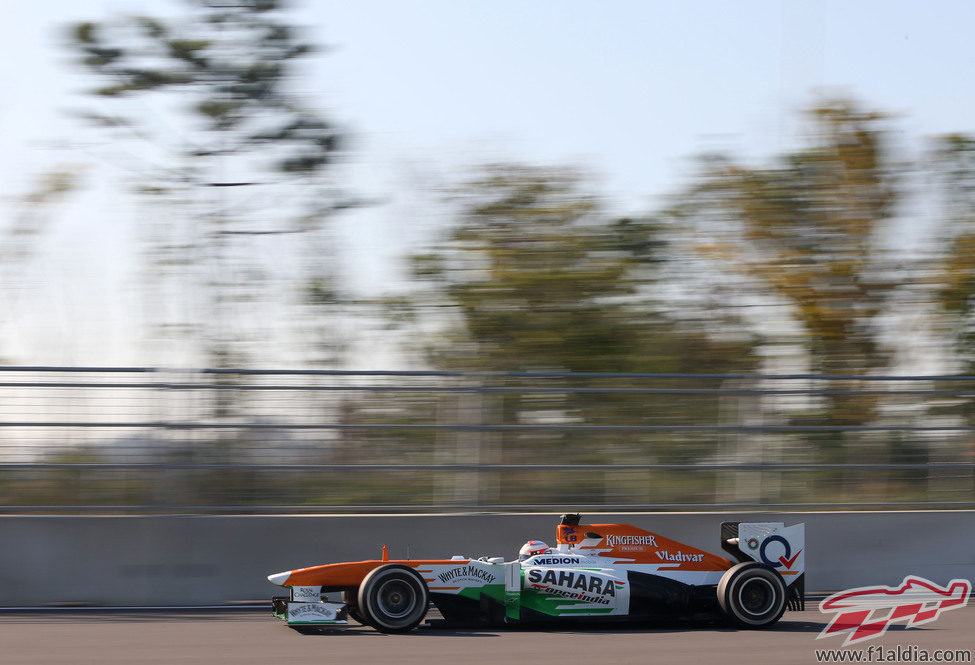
787, 559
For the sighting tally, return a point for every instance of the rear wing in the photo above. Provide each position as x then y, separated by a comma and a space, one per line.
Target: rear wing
774, 544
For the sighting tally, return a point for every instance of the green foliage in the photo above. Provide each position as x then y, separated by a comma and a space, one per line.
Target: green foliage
536, 276
954, 157
232, 62
533, 275
806, 229
952, 268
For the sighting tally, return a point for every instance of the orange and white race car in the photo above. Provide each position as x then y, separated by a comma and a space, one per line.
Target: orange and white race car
596, 572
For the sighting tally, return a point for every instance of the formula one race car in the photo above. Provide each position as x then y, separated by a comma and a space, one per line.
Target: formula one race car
596, 572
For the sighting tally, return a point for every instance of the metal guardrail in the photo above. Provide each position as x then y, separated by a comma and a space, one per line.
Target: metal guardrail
141, 438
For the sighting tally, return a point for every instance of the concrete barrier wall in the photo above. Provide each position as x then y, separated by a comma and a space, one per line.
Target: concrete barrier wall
201, 560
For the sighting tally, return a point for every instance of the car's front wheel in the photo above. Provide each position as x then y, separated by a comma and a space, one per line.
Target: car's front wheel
393, 598
351, 599
752, 595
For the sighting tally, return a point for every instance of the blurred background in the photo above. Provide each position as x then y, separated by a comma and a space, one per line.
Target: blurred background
267, 256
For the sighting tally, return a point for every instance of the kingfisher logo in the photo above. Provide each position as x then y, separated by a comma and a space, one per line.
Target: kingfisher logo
616, 541
866, 612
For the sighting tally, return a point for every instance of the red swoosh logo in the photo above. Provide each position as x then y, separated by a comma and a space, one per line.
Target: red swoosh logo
847, 599
788, 562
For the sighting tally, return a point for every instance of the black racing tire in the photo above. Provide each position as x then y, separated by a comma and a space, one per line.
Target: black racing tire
393, 598
752, 595
351, 599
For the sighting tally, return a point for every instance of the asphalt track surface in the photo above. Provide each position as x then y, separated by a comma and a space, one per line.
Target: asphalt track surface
243, 637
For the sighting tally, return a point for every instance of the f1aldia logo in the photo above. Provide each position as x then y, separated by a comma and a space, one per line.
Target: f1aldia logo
786, 559
865, 612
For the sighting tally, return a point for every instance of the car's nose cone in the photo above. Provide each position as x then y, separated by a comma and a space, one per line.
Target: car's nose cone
279, 578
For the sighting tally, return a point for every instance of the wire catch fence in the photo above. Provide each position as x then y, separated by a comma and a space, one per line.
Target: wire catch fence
86, 439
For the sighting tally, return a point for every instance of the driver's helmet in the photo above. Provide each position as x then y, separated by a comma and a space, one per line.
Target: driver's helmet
531, 548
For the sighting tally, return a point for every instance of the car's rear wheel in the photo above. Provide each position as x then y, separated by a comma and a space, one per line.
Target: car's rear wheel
393, 598
752, 595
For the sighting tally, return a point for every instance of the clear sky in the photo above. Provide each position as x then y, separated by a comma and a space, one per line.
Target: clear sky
629, 89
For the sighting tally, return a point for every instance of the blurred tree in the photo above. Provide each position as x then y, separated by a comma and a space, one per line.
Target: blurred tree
538, 277
954, 162
534, 275
806, 231
207, 102
26, 221
954, 261
30, 218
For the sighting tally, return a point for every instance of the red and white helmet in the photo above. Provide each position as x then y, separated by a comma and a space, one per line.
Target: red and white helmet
531, 548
